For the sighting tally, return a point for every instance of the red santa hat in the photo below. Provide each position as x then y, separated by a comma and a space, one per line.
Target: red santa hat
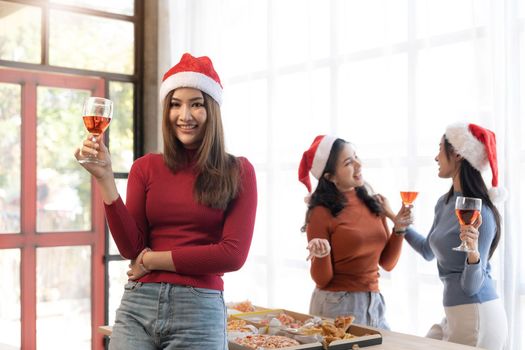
193, 72
477, 145
315, 158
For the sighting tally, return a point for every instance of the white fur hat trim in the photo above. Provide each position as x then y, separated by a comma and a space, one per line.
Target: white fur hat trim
194, 80
321, 155
467, 146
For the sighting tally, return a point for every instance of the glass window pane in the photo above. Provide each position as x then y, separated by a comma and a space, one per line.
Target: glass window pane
366, 24
521, 344
121, 127
518, 210
292, 242
21, 32
372, 106
93, 43
250, 283
298, 99
436, 17
246, 24
288, 202
319, 30
121, 187
63, 186
117, 279
385, 179
291, 41
10, 300
241, 98
396, 20
427, 312
124, 7
522, 84
63, 298
431, 188
467, 98
10, 148
294, 278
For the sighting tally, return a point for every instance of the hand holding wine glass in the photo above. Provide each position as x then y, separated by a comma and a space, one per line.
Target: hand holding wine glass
468, 211
96, 114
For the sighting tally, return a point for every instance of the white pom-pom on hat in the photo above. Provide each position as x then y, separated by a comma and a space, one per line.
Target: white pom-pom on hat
498, 194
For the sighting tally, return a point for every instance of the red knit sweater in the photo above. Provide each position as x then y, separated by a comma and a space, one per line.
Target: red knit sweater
161, 213
359, 240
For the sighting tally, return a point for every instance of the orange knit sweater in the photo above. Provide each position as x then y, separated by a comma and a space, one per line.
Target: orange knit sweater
360, 242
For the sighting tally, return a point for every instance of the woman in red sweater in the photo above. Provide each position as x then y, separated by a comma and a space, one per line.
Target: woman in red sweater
347, 233
188, 219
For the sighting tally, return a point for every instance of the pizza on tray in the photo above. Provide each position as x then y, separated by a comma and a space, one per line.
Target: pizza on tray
256, 341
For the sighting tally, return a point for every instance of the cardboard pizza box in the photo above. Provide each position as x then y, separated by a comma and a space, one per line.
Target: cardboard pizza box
364, 337
261, 318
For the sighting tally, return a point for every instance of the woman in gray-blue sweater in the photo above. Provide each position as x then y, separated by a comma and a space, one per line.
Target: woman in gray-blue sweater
474, 315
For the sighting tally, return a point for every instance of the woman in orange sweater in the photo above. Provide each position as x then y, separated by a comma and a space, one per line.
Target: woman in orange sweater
347, 233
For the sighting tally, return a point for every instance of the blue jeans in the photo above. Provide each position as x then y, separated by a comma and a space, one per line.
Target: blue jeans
368, 308
155, 316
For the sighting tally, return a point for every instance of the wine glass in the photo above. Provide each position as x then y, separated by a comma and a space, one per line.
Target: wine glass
96, 114
408, 197
467, 211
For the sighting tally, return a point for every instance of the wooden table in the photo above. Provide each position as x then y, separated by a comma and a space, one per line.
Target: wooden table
391, 341
401, 341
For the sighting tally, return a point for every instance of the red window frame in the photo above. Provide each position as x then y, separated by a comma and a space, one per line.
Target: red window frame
28, 240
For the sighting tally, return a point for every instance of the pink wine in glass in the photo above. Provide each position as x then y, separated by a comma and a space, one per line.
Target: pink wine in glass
96, 124
96, 115
408, 197
467, 211
467, 216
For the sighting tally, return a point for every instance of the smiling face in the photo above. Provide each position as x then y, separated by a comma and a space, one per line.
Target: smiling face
448, 161
347, 174
188, 116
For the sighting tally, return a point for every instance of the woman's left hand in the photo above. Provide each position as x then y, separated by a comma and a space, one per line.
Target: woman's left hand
137, 269
389, 213
319, 248
402, 219
470, 234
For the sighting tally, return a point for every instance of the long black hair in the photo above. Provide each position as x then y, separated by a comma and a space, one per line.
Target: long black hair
472, 185
327, 195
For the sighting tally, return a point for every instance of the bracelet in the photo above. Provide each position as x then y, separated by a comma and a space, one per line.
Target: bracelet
400, 232
141, 262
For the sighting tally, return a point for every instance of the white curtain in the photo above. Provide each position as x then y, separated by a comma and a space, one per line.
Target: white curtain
387, 75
